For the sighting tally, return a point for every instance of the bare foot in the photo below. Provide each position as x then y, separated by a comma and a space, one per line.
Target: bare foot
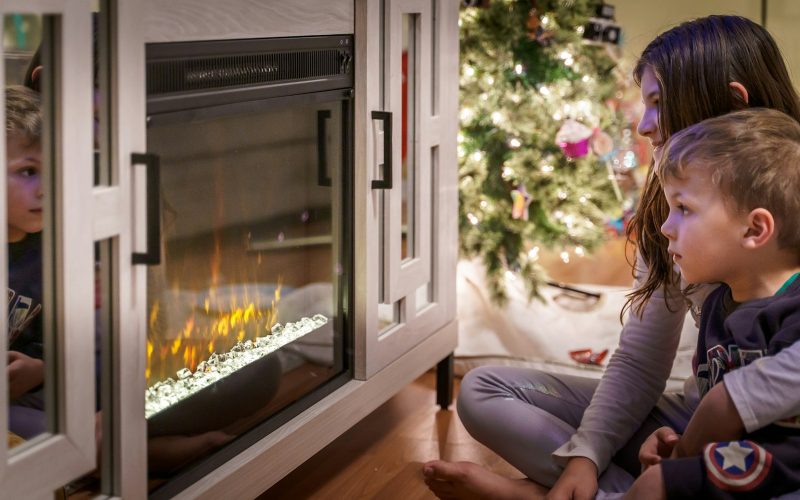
467, 480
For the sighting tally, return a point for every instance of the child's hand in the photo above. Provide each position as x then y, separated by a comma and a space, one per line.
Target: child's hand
578, 481
24, 373
660, 444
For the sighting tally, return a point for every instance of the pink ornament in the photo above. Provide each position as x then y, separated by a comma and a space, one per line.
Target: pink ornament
573, 138
575, 149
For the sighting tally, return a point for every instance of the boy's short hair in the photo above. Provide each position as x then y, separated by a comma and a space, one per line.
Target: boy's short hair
23, 113
752, 156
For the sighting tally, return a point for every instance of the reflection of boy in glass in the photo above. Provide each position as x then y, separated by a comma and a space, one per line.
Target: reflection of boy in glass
24, 192
165, 453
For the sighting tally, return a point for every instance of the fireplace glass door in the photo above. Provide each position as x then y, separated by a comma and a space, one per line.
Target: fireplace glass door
246, 306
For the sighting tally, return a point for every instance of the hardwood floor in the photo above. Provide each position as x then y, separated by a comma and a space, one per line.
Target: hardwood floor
381, 457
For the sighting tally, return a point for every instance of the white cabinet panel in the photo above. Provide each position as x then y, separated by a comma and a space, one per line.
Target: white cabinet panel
47, 462
186, 20
405, 234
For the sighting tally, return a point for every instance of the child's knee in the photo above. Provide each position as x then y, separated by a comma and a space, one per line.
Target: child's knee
476, 396
467, 403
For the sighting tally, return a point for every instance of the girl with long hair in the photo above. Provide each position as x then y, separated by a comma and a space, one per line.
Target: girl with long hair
574, 437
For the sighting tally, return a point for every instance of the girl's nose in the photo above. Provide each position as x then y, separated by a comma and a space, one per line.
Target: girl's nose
648, 125
666, 228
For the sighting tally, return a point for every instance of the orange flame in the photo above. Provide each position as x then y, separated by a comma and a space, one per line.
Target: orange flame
209, 328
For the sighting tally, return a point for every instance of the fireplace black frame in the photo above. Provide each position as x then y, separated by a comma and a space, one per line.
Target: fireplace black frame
321, 71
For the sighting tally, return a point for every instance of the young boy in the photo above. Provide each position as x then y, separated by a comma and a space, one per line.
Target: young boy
24, 194
733, 188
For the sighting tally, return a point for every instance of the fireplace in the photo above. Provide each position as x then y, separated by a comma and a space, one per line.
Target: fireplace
250, 232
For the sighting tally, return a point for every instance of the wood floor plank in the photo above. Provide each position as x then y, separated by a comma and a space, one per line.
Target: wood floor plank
381, 457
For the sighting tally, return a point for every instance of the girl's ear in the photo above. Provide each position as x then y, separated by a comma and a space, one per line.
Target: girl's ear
760, 228
739, 89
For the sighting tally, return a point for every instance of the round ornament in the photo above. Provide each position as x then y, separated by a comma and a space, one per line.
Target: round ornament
602, 145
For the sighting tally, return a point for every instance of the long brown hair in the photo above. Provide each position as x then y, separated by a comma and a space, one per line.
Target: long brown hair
694, 64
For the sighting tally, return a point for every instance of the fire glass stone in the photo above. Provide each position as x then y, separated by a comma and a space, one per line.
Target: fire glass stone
222, 403
224, 388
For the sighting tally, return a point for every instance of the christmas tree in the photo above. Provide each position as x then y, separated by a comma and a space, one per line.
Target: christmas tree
535, 147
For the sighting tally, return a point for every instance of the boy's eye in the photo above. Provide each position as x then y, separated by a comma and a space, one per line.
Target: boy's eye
28, 172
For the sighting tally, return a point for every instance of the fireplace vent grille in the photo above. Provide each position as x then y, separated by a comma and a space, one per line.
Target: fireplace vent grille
218, 72
217, 65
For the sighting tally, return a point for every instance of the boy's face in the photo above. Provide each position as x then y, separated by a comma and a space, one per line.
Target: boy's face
24, 188
704, 233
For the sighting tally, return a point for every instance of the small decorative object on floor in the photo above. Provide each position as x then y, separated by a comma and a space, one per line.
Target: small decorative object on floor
575, 299
588, 356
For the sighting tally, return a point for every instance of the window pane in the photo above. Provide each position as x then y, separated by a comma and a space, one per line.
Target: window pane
409, 156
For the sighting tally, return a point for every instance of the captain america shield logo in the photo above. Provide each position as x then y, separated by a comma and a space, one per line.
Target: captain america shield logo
736, 465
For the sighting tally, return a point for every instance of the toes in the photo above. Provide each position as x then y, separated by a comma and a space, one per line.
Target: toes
445, 471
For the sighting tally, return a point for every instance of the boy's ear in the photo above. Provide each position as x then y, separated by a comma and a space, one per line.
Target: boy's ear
36, 73
760, 228
738, 88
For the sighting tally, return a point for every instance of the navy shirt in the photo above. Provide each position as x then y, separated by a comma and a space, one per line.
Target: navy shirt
25, 296
734, 335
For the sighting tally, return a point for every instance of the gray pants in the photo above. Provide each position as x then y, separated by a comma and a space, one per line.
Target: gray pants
524, 415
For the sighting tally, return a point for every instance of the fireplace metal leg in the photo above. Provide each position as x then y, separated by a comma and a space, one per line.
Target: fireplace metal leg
444, 382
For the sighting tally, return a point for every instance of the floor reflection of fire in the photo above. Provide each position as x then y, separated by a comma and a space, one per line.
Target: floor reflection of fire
212, 342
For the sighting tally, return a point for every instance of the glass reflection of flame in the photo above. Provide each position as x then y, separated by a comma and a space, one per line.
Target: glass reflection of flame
210, 328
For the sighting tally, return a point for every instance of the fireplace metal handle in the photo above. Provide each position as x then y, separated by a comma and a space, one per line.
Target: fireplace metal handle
386, 166
153, 254
323, 179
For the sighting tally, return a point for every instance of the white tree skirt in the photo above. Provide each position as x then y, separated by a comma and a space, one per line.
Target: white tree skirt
541, 334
